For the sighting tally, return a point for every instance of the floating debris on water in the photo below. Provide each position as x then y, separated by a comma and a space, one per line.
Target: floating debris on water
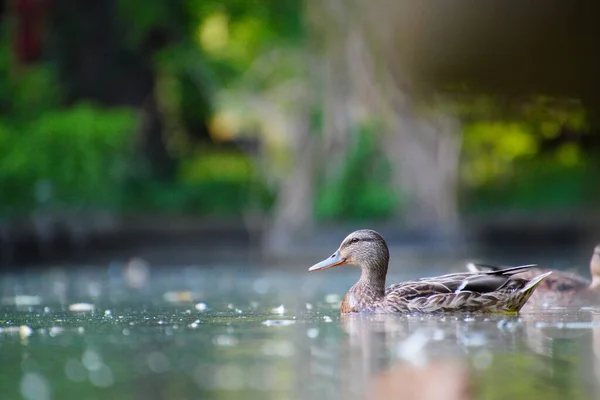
309, 306
181, 296
327, 318
278, 322
107, 312
201, 307
333, 298
22, 300
312, 333
279, 310
82, 307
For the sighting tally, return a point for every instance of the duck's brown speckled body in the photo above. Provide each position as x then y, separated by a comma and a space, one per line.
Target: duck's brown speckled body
479, 291
562, 288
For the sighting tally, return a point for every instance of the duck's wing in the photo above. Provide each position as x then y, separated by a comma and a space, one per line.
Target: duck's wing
461, 291
480, 282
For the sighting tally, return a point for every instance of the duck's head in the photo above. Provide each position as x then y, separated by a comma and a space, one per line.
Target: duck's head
364, 248
595, 267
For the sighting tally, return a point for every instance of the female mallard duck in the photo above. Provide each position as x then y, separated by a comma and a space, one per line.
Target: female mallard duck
562, 288
481, 291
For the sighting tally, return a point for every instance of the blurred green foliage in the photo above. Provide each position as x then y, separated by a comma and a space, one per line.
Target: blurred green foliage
362, 190
55, 155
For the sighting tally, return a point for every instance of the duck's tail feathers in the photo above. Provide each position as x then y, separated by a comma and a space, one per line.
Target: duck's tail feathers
477, 268
530, 286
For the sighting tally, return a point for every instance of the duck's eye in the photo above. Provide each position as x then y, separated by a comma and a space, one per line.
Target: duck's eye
354, 240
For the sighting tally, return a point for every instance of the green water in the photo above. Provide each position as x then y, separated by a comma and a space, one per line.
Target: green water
133, 332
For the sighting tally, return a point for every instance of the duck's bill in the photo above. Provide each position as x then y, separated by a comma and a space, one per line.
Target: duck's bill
333, 261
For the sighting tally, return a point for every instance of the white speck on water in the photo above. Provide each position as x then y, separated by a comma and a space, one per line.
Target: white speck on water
161, 322
309, 306
102, 377
279, 310
81, 307
158, 362
194, 325
74, 370
81, 330
312, 333
107, 312
91, 360
332, 298
279, 348
34, 386
126, 332
201, 306
327, 318
237, 310
278, 322
47, 309
188, 311
55, 331
225, 340
230, 306
25, 331
469, 319
26, 300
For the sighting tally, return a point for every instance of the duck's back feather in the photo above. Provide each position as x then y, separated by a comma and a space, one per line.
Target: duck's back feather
488, 291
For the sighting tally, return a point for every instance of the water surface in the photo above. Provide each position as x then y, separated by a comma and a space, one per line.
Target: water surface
231, 331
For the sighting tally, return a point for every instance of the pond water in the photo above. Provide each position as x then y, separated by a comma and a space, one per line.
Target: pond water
233, 331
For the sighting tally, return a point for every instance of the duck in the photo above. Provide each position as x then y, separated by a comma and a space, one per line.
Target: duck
563, 288
494, 291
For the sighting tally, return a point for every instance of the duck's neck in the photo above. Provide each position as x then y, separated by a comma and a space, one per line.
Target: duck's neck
371, 285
